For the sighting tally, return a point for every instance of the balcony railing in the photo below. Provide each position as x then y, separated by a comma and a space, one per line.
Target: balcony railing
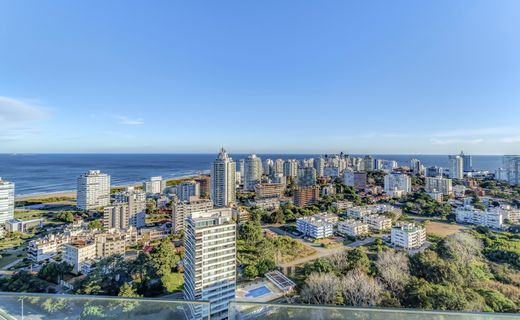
28, 306
266, 311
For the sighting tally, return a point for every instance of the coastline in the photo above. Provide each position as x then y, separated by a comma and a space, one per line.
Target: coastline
71, 194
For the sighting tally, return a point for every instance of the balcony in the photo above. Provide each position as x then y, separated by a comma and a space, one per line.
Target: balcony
28, 306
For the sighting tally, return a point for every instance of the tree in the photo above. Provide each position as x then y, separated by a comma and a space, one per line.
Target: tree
251, 272
393, 270
357, 259
65, 216
250, 232
320, 288
360, 290
127, 290
462, 247
54, 271
265, 265
164, 257
95, 225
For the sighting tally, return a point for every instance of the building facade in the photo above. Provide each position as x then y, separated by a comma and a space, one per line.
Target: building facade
223, 184
181, 210
304, 196
456, 167
6, 201
93, 190
408, 236
252, 172
353, 228
397, 185
210, 261
438, 184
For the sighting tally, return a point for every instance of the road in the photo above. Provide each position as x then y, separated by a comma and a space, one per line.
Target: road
9, 265
321, 252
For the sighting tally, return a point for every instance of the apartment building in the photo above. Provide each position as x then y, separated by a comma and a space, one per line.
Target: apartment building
6, 201
304, 196
210, 261
378, 222
353, 228
77, 252
489, 218
181, 210
155, 185
316, 226
438, 184
269, 190
408, 236
93, 190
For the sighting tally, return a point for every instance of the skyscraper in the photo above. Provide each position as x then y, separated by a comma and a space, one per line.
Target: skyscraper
252, 172
155, 185
319, 165
456, 167
223, 185
210, 267
186, 190
290, 168
93, 190
512, 169
368, 163
6, 201
467, 161
306, 176
268, 167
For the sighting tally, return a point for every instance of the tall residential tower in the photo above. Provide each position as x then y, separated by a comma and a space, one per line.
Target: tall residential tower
223, 185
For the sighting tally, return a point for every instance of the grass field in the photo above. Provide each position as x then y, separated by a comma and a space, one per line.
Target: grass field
442, 229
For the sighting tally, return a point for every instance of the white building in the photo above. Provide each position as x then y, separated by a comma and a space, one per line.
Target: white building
397, 185
512, 167
290, 168
489, 218
408, 236
353, 228
181, 210
6, 201
252, 172
438, 184
437, 196
306, 177
136, 200
456, 167
93, 190
155, 185
316, 226
319, 165
186, 190
459, 191
47, 247
223, 186
79, 252
210, 261
378, 222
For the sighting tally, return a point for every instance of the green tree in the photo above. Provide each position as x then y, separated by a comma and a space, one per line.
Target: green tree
357, 259
164, 257
127, 290
54, 271
251, 271
95, 225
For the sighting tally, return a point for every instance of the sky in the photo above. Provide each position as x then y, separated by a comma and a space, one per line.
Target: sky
422, 77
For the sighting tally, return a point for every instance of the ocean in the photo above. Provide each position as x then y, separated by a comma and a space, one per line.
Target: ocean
49, 173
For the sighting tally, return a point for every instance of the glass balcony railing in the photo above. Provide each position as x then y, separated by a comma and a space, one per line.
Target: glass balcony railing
266, 311
27, 306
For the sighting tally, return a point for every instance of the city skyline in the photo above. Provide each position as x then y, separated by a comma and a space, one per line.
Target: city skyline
293, 77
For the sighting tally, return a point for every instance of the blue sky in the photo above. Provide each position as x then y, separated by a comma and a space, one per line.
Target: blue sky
430, 77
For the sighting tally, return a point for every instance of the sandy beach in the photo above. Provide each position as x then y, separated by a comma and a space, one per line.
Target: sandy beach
72, 193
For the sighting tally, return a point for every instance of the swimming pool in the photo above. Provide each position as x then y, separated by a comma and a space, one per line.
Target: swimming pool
258, 292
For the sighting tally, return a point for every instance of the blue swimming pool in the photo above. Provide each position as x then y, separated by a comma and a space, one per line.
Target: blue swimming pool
258, 292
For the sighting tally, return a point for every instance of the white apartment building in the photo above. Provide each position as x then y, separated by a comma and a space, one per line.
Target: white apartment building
438, 184
181, 210
267, 203
6, 201
252, 172
210, 261
489, 218
437, 196
397, 185
187, 190
136, 200
223, 186
408, 236
93, 190
456, 167
316, 226
353, 228
155, 185
78, 252
47, 247
378, 222
290, 168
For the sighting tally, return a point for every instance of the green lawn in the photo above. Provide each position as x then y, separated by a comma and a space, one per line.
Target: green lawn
8, 258
173, 282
